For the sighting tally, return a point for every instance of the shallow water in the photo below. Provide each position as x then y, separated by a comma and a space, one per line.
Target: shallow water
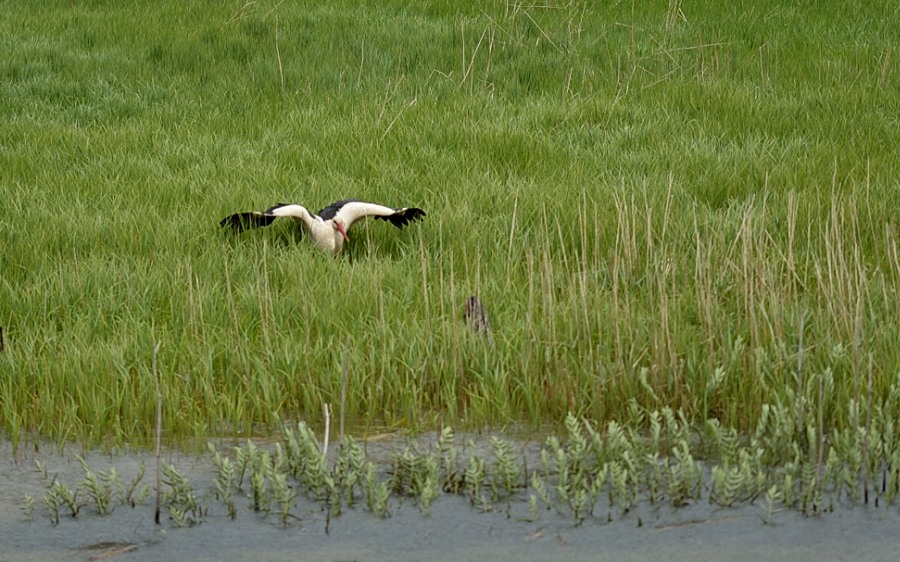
452, 530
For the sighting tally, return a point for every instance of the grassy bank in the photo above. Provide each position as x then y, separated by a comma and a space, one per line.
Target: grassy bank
660, 205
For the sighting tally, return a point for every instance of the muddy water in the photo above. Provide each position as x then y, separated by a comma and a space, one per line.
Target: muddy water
452, 531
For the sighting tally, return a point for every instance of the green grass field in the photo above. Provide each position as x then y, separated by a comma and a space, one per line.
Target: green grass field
682, 205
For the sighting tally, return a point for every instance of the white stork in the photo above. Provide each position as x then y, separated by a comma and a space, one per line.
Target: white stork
329, 226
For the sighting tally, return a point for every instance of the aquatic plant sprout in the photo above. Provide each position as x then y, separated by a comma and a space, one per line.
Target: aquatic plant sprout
574, 474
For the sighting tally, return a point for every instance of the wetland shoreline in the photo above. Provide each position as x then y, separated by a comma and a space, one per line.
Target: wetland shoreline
451, 528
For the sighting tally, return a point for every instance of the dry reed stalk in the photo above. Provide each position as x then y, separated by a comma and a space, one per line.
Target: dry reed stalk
158, 433
857, 350
229, 295
192, 321
278, 56
548, 297
820, 437
865, 446
396, 118
703, 286
749, 261
262, 292
512, 232
792, 208
614, 293
423, 258
532, 293
345, 371
327, 410
467, 69
800, 373
649, 237
886, 65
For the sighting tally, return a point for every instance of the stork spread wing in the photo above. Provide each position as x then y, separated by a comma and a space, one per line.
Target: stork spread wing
352, 210
255, 219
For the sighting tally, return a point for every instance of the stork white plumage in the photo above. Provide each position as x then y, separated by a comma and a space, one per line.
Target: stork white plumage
329, 226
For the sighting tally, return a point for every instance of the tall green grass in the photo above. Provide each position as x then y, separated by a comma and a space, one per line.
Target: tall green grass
651, 199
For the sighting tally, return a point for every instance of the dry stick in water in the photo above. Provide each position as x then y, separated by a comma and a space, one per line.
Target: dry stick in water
158, 430
327, 428
800, 375
857, 358
865, 445
820, 438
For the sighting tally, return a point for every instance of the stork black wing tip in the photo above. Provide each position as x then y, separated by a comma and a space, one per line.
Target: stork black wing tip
242, 221
233, 221
405, 216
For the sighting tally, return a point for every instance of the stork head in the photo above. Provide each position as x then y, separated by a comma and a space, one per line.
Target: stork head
339, 226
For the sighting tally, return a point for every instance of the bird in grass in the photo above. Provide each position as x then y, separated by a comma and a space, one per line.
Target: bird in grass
328, 228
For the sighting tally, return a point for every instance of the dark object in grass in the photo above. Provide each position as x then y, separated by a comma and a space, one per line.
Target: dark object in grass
477, 318
1, 338
329, 226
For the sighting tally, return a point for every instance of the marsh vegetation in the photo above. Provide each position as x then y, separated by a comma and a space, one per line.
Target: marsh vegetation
681, 220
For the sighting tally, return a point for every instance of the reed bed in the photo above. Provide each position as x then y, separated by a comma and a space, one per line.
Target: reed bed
661, 207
